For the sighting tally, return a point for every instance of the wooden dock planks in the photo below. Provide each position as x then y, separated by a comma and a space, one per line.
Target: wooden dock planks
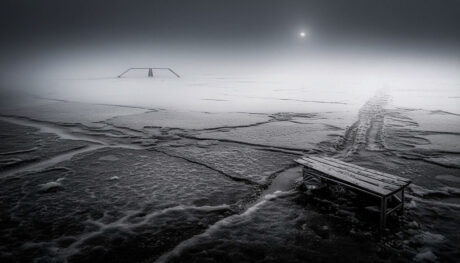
379, 184
382, 185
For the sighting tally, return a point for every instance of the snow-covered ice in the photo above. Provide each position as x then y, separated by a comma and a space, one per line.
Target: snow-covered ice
202, 167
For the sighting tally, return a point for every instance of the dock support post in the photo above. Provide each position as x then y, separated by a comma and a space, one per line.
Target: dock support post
402, 201
383, 213
150, 73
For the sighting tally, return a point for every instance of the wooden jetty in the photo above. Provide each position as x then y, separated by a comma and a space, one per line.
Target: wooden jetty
382, 185
150, 71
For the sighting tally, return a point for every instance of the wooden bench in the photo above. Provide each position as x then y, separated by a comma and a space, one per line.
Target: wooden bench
382, 185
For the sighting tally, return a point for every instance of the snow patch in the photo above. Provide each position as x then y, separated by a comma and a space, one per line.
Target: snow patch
110, 158
443, 191
426, 256
51, 186
429, 238
448, 178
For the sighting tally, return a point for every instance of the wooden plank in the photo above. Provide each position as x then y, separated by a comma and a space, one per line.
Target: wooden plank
371, 171
357, 187
347, 176
366, 180
362, 171
373, 186
391, 210
374, 181
367, 170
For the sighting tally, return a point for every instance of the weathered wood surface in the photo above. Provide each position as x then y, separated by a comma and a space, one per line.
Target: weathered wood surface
368, 180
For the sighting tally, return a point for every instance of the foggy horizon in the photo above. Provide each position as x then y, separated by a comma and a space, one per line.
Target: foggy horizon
176, 33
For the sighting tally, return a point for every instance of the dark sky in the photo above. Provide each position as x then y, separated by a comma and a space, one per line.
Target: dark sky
415, 22
133, 33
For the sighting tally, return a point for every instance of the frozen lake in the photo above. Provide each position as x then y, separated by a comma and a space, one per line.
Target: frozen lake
202, 168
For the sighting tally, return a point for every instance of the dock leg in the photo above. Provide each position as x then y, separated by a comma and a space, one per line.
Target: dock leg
383, 214
402, 201
150, 73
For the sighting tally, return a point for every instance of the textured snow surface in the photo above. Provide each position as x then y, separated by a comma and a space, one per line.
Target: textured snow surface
215, 93
280, 134
187, 120
70, 112
199, 169
257, 234
237, 161
425, 128
21, 145
65, 209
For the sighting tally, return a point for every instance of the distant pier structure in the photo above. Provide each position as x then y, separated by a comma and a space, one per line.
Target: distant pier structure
150, 71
